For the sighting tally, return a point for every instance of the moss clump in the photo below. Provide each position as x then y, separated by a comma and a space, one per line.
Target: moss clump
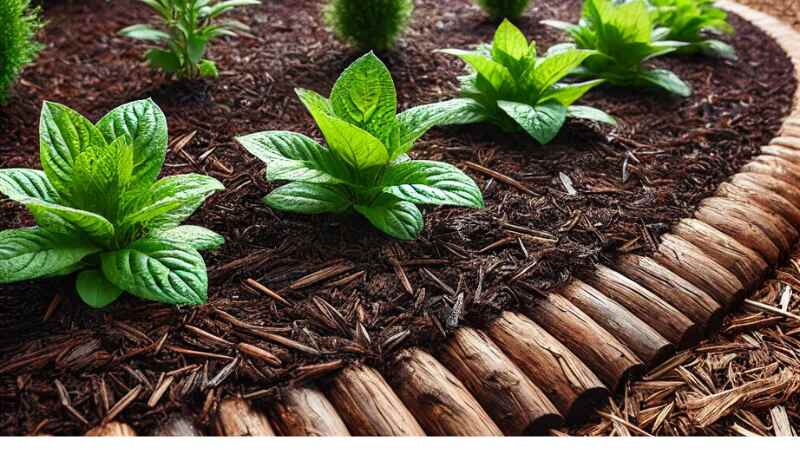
369, 24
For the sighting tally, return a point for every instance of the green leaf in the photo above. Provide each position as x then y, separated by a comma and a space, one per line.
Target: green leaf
63, 135
433, 183
589, 113
30, 253
23, 184
222, 7
667, 80
198, 238
567, 94
719, 49
70, 221
314, 102
145, 33
395, 217
196, 48
552, 68
496, 74
162, 59
542, 121
365, 96
294, 157
416, 121
509, 40
308, 198
207, 68
102, 176
170, 200
95, 290
156, 270
143, 122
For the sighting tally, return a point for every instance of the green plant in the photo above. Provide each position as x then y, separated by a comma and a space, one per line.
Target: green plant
186, 29
369, 24
18, 47
511, 88
503, 9
101, 211
365, 167
624, 38
692, 21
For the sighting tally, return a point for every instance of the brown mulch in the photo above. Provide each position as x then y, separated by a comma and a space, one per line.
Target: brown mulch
344, 291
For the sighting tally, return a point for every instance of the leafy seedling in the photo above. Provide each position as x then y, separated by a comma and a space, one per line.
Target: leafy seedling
624, 38
514, 89
694, 22
101, 210
365, 167
187, 26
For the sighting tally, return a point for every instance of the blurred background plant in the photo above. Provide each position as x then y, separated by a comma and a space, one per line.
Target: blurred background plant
19, 23
503, 9
369, 24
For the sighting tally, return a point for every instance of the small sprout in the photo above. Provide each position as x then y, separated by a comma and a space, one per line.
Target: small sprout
694, 21
365, 167
369, 24
515, 90
503, 9
18, 47
187, 26
623, 38
101, 210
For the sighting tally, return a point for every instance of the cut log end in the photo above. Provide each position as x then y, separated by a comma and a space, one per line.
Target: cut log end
112, 429
178, 425
305, 411
236, 417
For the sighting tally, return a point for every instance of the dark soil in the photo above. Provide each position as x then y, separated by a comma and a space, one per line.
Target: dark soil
64, 366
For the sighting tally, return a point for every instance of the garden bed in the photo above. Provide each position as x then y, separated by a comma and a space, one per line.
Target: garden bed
346, 291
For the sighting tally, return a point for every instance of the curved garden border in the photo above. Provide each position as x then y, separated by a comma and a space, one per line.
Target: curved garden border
529, 372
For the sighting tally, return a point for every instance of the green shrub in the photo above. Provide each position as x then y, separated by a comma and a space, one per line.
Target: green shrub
693, 21
365, 167
624, 38
503, 9
513, 89
101, 211
187, 26
369, 24
19, 23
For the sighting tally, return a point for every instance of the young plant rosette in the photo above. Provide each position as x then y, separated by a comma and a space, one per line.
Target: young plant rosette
100, 210
515, 90
365, 167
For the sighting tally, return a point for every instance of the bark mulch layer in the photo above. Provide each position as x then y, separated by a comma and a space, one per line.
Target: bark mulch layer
345, 291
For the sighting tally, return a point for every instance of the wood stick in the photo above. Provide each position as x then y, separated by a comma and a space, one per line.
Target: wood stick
774, 167
609, 358
694, 266
236, 417
787, 190
305, 411
779, 230
748, 191
646, 305
112, 429
748, 266
565, 379
441, 403
511, 399
691, 301
178, 425
369, 406
726, 216
793, 156
636, 334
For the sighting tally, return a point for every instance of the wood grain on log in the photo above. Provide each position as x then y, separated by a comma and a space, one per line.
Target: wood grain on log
508, 395
112, 429
646, 305
779, 230
788, 154
774, 167
178, 425
727, 216
236, 417
439, 401
636, 334
305, 411
787, 190
688, 298
746, 190
369, 406
788, 142
694, 266
743, 262
572, 387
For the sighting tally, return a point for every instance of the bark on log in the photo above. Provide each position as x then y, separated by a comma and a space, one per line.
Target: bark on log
652, 309
236, 417
305, 411
694, 266
743, 262
178, 425
112, 429
787, 190
791, 130
788, 142
439, 401
511, 399
774, 167
636, 334
788, 154
726, 216
745, 189
565, 379
779, 230
369, 406
609, 358
690, 300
